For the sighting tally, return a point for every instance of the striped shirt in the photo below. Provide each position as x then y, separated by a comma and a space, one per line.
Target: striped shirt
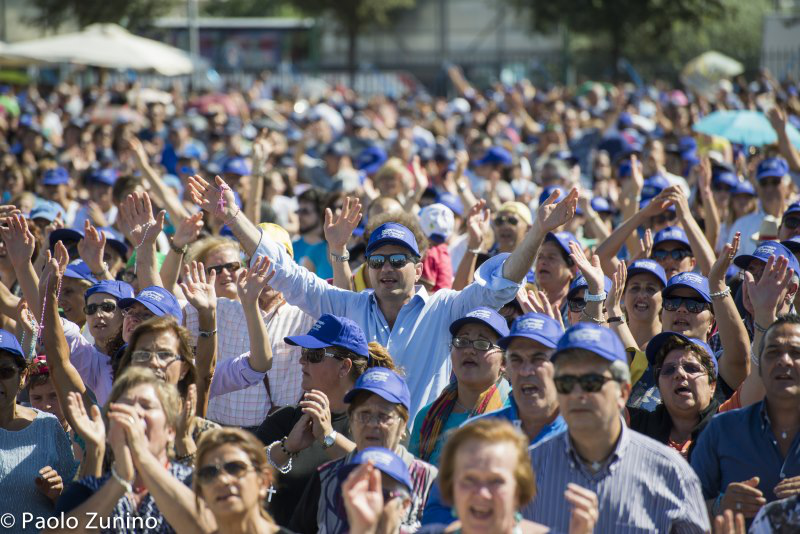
643, 487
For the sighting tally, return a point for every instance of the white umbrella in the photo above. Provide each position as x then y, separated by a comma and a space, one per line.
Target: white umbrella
105, 45
703, 73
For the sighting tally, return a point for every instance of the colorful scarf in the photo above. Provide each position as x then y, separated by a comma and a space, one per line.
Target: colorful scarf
440, 411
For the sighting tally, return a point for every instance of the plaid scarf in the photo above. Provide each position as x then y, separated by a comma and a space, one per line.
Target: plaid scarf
440, 411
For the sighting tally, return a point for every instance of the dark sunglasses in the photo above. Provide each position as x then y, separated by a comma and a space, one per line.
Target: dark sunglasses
231, 267
772, 181
105, 307
8, 372
678, 254
209, 473
317, 355
576, 305
689, 368
664, 218
791, 222
590, 383
506, 219
397, 261
477, 344
693, 305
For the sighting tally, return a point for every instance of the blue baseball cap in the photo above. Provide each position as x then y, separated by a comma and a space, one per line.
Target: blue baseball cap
451, 201
581, 283
79, 270
495, 155
9, 343
329, 331
64, 234
671, 233
562, 239
764, 251
772, 167
371, 159
655, 344
654, 185
117, 289
384, 383
191, 151
104, 176
594, 338
115, 240
693, 281
649, 267
725, 177
482, 315
384, 460
46, 209
624, 168
794, 207
236, 166
602, 205
156, 299
536, 327
549, 190
744, 188
56, 176
392, 234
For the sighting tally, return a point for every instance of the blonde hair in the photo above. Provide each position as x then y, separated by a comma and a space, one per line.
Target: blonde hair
203, 248
167, 393
393, 167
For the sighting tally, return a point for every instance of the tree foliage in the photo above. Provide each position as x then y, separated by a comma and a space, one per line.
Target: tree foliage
130, 13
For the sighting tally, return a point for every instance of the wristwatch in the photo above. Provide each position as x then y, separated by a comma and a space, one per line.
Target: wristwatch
329, 440
341, 259
182, 250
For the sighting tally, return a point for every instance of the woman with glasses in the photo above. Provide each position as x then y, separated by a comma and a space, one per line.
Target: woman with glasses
377, 409
221, 256
302, 437
477, 363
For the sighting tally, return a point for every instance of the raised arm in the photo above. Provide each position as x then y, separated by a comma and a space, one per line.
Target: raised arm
337, 233
614, 307
477, 219
420, 184
90, 427
703, 252
262, 148
549, 217
162, 193
777, 117
734, 366
710, 209
455, 183
593, 220
593, 274
186, 232
137, 222
249, 286
20, 245
91, 249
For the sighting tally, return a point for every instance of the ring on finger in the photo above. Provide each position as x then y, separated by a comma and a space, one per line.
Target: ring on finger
738, 506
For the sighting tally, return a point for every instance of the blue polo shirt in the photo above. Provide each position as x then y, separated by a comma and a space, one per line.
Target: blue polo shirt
739, 445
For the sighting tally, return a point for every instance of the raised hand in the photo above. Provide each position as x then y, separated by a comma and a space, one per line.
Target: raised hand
199, 287
91, 247
20, 243
207, 195
645, 246
614, 299
262, 149
252, 281
537, 302
137, 222
187, 420
590, 270
136, 146
315, 404
88, 425
126, 418
95, 214
30, 328
54, 268
703, 172
777, 118
636, 173
657, 204
49, 483
338, 229
57, 224
550, 215
477, 221
763, 298
584, 509
675, 195
188, 230
301, 436
8, 210
716, 277
362, 492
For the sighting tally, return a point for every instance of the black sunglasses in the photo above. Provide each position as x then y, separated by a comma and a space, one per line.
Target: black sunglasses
397, 261
317, 355
693, 305
678, 254
209, 473
232, 267
506, 219
791, 222
105, 307
576, 305
8, 371
690, 368
772, 181
664, 217
590, 383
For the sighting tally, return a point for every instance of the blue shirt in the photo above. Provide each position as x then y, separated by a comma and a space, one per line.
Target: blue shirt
738, 445
316, 254
644, 486
419, 340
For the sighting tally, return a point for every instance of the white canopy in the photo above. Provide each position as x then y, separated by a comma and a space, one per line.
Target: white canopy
104, 45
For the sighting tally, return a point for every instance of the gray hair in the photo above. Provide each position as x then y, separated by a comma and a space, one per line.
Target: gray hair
620, 371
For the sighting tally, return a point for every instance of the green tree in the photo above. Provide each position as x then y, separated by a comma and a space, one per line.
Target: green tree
618, 22
133, 14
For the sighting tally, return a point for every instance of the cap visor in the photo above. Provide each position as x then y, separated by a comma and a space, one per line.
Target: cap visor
306, 341
390, 241
382, 393
673, 287
744, 260
506, 341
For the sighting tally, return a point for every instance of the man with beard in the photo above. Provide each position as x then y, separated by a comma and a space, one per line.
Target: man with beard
310, 249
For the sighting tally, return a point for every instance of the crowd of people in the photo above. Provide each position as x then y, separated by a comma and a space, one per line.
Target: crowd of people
517, 310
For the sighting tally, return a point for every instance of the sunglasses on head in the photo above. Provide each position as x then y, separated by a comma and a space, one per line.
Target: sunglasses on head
105, 307
576, 305
689, 368
477, 344
231, 267
8, 372
590, 383
664, 218
209, 473
506, 219
677, 254
317, 355
791, 222
397, 261
693, 305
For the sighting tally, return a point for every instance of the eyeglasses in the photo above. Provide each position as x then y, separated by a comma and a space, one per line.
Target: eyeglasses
141, 316
576, 305
209, 473
317, 355
663, 218
397, 261
8, 372
772, 181
477, 344
105, 307
506, 219
678, 254
693, 305
590, 383
231, 267
380, 418
791, 222
689, 368
164, 357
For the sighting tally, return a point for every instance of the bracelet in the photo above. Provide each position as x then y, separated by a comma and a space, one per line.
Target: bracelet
186, 457
475, 251
283, 470
759, 328
284, 449
125, 484
720, 294
601, 320
181, 251
207, 333
341, 259
229, 221
617, 319
600, 297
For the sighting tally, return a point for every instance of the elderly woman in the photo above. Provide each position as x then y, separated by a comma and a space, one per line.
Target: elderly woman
301, 438
221, 256
479, 387
378, 414
35, 452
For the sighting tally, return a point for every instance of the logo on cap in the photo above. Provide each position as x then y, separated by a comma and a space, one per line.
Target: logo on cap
393, 233
376, 376
531, 324
766, 250
585, 335
647, 264
479, 314
378, 457
318, 326
151, 295
690, 278
562, 235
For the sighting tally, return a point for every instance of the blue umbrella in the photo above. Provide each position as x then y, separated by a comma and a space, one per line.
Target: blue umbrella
744, 127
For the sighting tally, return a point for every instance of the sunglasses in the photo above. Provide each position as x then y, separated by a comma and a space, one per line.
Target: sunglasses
576, 305
209, 473
506, 219
721, 188
689, 368
8, 372
678, 254
590, 383
397, 261
477, 344
693, 305
791, 222
231, 267
164, 357
317, 355
105, 307
772, 181
663, 218
141, 317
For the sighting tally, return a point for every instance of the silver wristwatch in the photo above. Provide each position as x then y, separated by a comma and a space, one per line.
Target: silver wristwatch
329, 440
341, 259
